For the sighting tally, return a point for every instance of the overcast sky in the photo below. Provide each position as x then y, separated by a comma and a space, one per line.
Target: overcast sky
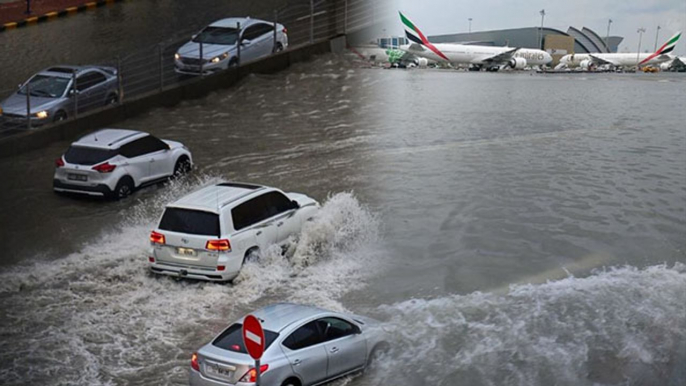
435, 17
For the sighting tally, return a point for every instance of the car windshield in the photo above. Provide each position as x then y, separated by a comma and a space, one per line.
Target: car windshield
232, 339
217, 35
46, 86
195, 222
81, 155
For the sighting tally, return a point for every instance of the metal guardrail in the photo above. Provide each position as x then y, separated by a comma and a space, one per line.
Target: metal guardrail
152, 69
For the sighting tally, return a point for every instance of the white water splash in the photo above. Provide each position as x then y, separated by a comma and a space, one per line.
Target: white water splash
622, 326
98, 317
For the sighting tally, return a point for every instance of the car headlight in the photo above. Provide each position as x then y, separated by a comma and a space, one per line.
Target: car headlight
41, 114
219, 58
177, 56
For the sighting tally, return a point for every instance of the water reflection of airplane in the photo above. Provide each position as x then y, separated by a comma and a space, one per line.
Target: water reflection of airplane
489, 57
588, 61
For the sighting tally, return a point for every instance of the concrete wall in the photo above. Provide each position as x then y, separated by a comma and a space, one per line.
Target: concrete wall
193, 89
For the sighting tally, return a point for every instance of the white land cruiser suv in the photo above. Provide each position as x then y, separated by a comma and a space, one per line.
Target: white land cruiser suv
114, 162
210, 233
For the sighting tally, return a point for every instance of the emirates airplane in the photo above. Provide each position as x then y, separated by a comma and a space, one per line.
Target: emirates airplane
586, 61
492, 58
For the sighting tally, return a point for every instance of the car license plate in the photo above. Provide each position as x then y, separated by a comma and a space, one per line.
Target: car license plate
218, 371
77, 177
186, 251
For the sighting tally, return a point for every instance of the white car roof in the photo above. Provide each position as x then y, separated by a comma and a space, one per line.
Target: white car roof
214, 197
232, 22
109, 138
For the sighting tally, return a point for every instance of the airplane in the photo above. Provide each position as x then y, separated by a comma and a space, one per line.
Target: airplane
587, 61
492, 58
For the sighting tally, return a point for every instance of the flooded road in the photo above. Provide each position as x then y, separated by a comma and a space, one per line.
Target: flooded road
478, 215
100, 35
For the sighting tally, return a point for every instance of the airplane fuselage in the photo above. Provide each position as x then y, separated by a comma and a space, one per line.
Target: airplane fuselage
469, 54
620, 59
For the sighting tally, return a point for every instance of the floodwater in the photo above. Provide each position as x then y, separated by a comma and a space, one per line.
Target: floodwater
509, 229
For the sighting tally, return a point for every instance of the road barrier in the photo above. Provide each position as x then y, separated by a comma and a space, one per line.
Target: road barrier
153, 68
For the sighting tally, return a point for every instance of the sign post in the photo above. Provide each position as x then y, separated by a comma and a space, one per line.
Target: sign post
253, 339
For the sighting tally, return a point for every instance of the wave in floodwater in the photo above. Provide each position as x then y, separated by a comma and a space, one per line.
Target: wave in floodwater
621, 326
97, 317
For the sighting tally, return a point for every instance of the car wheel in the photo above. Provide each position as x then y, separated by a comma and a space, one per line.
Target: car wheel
112, 99
253, 254
233, 63
291, 382
60, 116
183, 166
278, 48
123, 189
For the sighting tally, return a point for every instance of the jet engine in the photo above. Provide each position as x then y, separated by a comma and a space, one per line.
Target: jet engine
586, 64
422, 62
666, 66
517, 63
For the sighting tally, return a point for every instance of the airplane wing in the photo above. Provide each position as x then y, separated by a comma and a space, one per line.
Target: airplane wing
414, 47
598, 60
502, 57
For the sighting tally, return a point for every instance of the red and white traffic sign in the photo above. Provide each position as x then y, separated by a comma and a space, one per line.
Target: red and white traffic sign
253, 337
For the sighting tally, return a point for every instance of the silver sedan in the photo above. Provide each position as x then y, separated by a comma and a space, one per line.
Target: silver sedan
304, 345
56, 93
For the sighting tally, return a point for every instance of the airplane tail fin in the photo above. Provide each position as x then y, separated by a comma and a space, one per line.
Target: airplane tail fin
416, 36
411, 31
665, 48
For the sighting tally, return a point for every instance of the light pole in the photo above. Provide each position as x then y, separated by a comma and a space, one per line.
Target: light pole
28, 7
470, 25
542, 18
656, 35
640, 36
607, 39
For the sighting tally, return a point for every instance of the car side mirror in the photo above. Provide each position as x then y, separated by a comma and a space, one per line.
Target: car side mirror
245, 42
358, 330
295, 204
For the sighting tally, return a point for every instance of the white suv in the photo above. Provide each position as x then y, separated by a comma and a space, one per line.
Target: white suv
210, 233
114, 162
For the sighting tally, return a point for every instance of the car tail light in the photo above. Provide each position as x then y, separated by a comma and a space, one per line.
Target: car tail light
151, 259
104, 168
221, 267
285, 30
194, 362
156, 238
218, 245
59, 163
251, 375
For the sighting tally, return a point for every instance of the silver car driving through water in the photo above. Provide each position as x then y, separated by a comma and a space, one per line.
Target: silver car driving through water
214, 48
304, 346
56, 93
